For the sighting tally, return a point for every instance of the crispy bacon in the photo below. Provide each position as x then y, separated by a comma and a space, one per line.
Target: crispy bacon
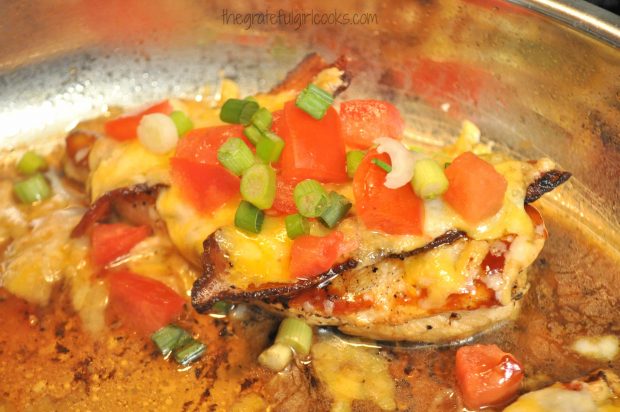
135, 204
307, 69
78, 144
545, 183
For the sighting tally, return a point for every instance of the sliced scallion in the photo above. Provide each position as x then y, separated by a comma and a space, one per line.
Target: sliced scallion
262, 119
310, 198
296, 225
249, 217
314, 101
337, 209
30, 163
296, 334
235, 156
354, 158
183, 123
382, 165
189, 352
253, 134
33, 189
276, 357
167, 338
238, 111
258, 185
429, 179
221, 307
269, 147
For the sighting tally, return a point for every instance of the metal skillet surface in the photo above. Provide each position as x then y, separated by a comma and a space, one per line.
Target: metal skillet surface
548, 100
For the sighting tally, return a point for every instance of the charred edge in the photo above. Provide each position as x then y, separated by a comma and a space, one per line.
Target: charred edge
103, 207
445, 239
545, 183
310, 66
341, 63
206, 290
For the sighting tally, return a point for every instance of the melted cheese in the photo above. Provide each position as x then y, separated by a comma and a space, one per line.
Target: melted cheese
602, 348
186, 226
125, 164
556, 399
353, 372
34, 263
437, 272
257, 258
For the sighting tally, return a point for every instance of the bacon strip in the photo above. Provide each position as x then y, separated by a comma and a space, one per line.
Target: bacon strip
307, 69
545, 183
135, 204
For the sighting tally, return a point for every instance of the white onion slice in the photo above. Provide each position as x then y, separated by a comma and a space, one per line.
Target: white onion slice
157, 133
402, 159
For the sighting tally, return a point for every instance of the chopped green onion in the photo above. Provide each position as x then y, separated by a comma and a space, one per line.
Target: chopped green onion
296, 225
253, 134
382, 165
314, 101
296, 334
354, 158
429, 179
262, 119
235, 156
276, 357
238, 111
337, 209
168, 337
33, 189
221, 307
249, 217
189, 352
310, 198
269, 147
30, 163
258, 185
183, 123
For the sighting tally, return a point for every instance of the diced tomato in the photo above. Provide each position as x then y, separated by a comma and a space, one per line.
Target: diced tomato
284, 202
201, 145
146, 305
206, 186
487, 376
195, 169
476, 190
313, 149
125, 127
394, 211
313, 255
277, 122
365, 120
109, 241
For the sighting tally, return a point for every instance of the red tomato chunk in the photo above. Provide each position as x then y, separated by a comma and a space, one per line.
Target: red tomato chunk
125, 127
313, 255
365, 120
109, 241
476, 190
144, 304
313, 149
487, 376
394, 211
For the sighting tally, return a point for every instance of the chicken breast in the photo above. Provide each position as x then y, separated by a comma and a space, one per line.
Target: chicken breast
450, 287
